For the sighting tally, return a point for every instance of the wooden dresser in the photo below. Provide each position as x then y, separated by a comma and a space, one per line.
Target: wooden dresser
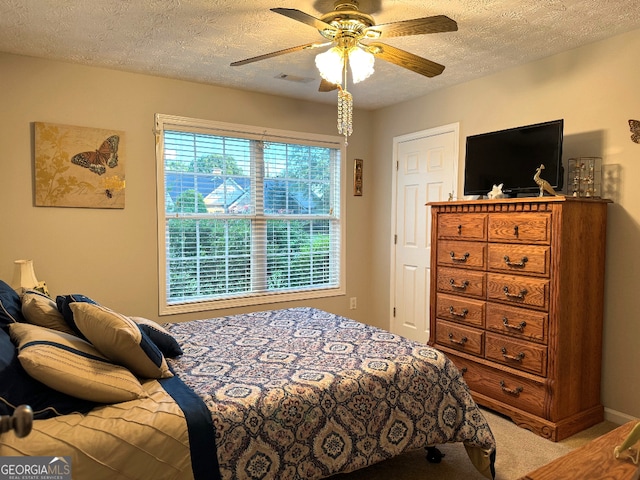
518, 303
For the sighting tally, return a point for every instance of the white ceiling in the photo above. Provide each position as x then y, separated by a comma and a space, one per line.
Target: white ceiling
197, 39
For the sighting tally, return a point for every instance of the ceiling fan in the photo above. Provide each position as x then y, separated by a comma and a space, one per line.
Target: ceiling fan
349, 29
353, 38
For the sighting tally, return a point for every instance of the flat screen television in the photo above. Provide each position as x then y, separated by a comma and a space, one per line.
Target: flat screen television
512, 156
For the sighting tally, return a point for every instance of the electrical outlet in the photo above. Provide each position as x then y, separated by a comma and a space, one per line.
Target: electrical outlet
353, 303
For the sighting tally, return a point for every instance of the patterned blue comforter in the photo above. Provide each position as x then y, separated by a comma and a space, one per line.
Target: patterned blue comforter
304, 394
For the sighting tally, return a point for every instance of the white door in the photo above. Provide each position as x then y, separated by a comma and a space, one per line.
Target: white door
426, 171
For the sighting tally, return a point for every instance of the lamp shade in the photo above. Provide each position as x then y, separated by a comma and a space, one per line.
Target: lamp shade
330, 65
361, 64
24, 278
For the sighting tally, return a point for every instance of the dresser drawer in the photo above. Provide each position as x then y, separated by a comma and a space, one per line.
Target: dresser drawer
520, 392
527, 259
525, 291
468, 226
520, 228
462, 254
517, 322
526, 356
465, 339
462, 282
460, 309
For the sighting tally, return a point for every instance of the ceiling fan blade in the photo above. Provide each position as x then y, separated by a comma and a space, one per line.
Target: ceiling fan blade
279, 52
326, 86
405, 59
417, 26
304, 18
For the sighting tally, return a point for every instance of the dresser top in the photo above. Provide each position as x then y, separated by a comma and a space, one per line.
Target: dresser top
521, 200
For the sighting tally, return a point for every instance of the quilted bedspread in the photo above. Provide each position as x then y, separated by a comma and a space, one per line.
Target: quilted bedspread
139, 439
304, 394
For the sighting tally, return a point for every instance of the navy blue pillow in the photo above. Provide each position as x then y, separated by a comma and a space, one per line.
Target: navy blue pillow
17, 387
10, 305
63, 301
164, 341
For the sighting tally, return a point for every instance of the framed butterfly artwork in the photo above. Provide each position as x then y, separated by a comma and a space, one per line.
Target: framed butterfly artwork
78, 166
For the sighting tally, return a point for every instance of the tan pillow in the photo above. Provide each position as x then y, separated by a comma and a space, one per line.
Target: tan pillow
39, 309
120, 339
73, 366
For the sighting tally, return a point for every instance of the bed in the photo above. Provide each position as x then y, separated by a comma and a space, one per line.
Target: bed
296, 393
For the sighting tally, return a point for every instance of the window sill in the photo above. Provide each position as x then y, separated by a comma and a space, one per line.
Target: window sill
244, 301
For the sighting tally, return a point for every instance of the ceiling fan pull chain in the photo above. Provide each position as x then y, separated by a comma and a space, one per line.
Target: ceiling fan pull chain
345, 114
345, 105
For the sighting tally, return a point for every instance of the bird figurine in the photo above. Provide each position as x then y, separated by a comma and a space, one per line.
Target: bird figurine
542, 183
625, 450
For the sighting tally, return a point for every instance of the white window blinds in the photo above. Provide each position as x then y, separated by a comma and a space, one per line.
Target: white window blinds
246, 217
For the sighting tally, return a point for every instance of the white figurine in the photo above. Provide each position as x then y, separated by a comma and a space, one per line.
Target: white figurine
496, 192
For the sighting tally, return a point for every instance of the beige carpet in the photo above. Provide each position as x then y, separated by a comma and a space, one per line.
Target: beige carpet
518, 452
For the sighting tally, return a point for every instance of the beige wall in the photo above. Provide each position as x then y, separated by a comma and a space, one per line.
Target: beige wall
111, 255
595, 89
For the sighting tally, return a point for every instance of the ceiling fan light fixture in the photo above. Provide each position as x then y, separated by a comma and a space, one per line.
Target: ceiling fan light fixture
345, 27
330, 64
361, 63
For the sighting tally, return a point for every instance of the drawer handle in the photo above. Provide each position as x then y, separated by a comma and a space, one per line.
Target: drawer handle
463, 370
520, 327
463, 258
515, 391
519, 296
459, 286
462, 314
515, 264
517, 358
460, 342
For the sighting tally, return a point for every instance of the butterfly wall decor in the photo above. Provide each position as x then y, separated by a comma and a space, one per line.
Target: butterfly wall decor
98, 160
79, 166
634, 126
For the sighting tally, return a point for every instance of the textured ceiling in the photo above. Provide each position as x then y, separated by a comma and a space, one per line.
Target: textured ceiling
197, 39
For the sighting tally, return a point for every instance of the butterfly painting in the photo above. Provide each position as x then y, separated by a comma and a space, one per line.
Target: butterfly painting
79, 166
98, 160
634, 125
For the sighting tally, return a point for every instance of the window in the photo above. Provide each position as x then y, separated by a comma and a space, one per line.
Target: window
246, 216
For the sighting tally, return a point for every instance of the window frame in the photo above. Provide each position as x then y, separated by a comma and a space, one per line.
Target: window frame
172, 122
